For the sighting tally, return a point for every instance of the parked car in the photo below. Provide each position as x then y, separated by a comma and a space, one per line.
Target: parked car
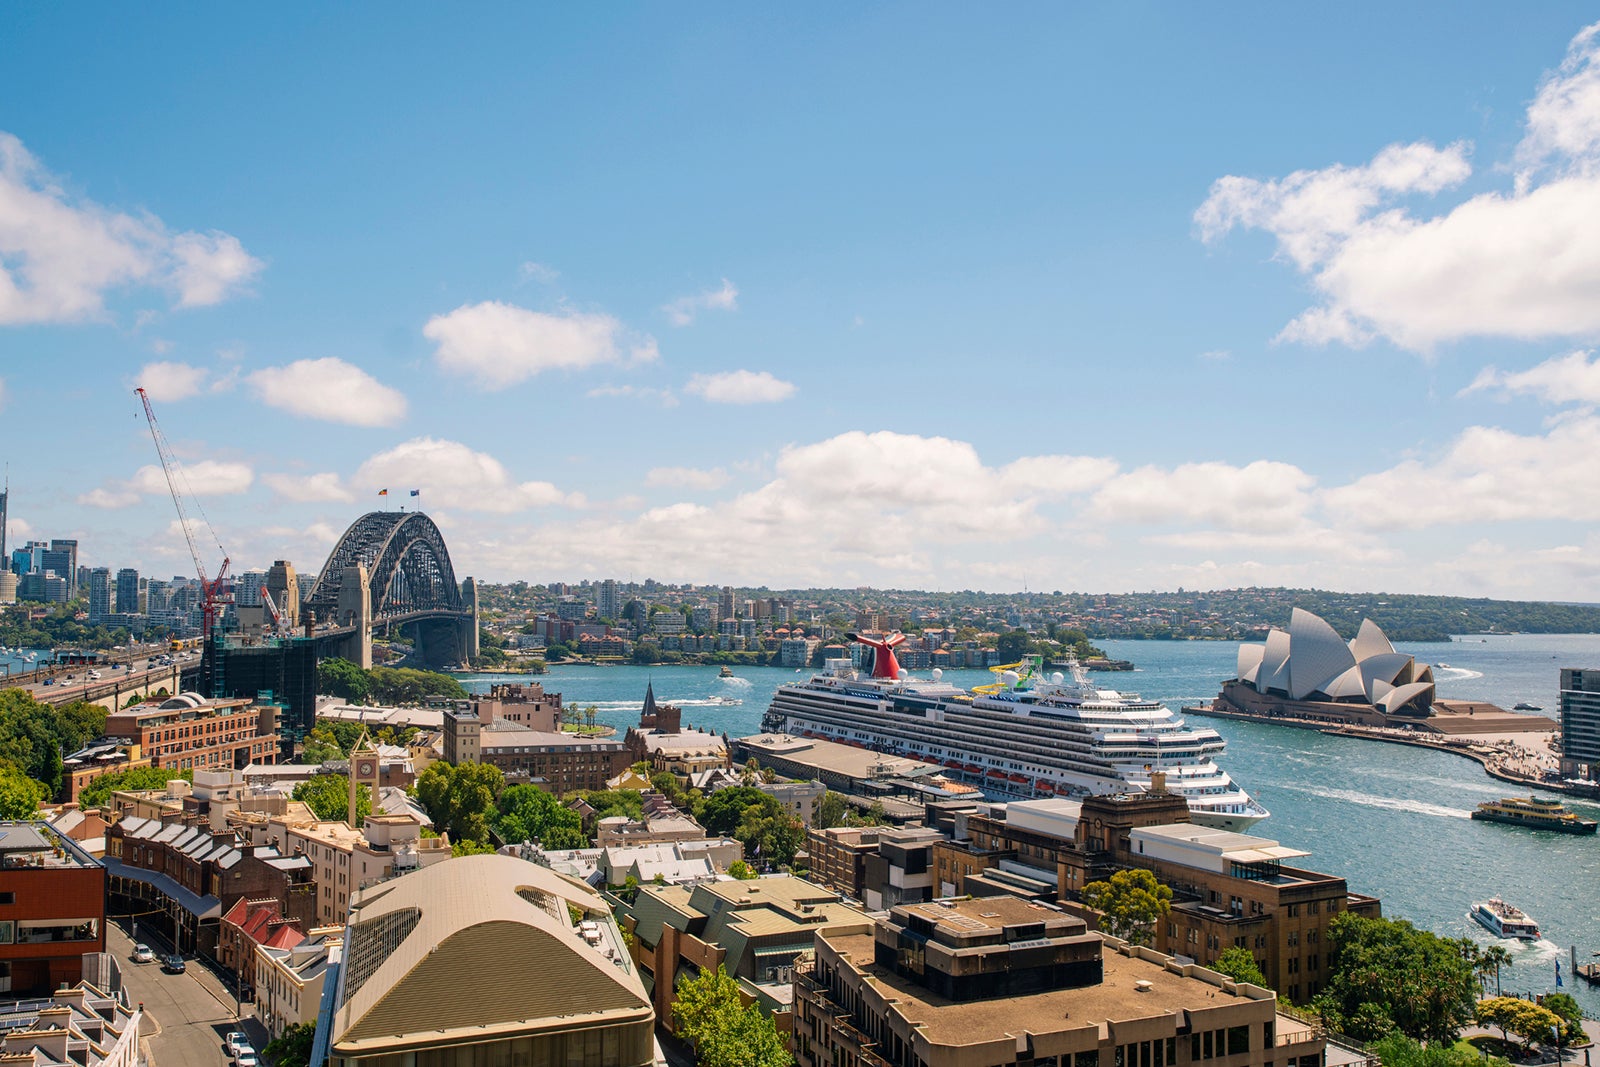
246, 1057
173, 964
142, 954
236, 1042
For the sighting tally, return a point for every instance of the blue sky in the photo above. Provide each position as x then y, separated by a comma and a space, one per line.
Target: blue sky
1110, 298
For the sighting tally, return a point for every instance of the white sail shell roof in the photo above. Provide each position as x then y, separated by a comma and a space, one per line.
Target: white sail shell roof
1309, 661
1317, 654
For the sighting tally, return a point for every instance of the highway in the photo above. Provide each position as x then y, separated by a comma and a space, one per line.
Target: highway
66, 684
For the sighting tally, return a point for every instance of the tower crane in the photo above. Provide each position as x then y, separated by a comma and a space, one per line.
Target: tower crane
280, 625
214, 592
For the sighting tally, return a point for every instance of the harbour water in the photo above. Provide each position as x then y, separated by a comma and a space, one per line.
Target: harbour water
1392, 819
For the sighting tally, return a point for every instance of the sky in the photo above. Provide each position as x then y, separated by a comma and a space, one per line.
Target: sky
1096, 298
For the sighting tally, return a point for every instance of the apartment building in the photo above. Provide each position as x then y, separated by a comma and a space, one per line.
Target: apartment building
288, 981
192, 732
52, 908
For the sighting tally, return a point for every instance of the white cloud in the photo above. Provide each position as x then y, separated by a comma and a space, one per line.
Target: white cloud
682, 311
208, 477
498, 345
740, 387
454, 476
687, 477
60, 255
172, 381
1487, 475
1572, 378
308, 488
537, 272
329, 389
665, 397
109, 498
1264, 495
1521, 263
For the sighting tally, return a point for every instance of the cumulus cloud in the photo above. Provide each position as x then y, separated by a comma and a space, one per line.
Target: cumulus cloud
1486, 475
208, 477
499, 345
60, 255
308, 488
109, 498
684, 310
454, 476
172, 381
687, 477
1568, 379
1519, 263
740, 387
329, 389
1264, 495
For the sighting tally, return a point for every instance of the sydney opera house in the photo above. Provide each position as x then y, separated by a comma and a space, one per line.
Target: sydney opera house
1309, 671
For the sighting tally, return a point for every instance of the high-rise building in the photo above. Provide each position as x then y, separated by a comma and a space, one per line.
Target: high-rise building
128, 591
5, 496
1580, 722
157, 596
100, 593
609, 600
725, 605
62, 557
247, 588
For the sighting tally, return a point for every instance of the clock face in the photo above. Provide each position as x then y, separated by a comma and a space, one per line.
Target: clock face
364, 769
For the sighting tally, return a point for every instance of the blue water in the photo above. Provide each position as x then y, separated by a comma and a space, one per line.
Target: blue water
1392, 820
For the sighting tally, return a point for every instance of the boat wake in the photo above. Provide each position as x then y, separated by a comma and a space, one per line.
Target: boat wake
1368, 800
736, 682
1456, 673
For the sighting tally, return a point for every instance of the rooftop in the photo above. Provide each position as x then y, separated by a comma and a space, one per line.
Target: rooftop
1117, 998
469, 946
847, 760
38, 844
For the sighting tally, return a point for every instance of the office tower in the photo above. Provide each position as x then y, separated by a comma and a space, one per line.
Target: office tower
128, 591
100, 591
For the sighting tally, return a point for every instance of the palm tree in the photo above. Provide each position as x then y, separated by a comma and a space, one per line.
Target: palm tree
1491, 959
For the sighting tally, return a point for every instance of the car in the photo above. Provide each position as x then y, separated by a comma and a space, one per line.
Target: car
49, 681
236, 1042
142, 954
173, 964
246, 1057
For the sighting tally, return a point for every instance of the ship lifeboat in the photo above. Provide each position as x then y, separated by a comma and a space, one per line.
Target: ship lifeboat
954, 765
997, 774
1044, 786
973, 768
1019, 778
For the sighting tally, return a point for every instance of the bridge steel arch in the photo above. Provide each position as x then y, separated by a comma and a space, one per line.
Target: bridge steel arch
410, 580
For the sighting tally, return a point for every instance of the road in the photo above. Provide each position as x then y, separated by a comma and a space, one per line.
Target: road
193, 1010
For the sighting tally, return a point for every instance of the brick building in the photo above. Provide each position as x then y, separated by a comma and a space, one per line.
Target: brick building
52, 908
189, 731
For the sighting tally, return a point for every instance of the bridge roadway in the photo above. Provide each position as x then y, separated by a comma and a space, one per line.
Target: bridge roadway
125, 672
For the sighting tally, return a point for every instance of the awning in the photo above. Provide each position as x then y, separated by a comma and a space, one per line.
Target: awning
1264, 855
196, 905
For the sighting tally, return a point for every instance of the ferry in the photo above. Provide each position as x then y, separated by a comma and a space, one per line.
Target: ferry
1525, 706
1022, 737
1505, 920
1537, 812
726, 672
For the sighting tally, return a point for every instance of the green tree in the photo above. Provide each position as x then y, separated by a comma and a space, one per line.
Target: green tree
468, 847
460, 799
743, 871
1398, 1050
528, 813
832, 810
1490, 960
1014, 645
19, 795
343, 679
1131, 902
98, 792
1564, 1005
710, 1015
1240, 965
1385, 975
876, 815
328, 797
724, 810
1534, 1023
292, 1048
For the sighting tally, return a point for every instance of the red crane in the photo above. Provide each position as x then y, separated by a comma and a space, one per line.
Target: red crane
214, 592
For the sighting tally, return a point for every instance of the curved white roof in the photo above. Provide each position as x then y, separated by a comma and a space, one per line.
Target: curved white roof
1309, 661
1317, 654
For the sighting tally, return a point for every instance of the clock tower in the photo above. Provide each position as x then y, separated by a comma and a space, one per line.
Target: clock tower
363, 773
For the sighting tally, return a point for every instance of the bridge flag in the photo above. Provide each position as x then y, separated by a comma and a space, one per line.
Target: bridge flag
383, 492
416, 492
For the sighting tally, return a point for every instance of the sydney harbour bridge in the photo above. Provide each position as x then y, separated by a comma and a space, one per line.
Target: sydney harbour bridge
391, 571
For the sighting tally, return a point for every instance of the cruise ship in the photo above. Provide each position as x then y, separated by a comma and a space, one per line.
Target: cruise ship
1021, 738
1505, 920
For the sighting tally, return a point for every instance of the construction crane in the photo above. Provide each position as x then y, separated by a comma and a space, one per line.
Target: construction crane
280, 625
214, 592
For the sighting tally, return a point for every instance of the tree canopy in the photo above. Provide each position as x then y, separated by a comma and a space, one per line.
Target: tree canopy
384, 685
1130, 902
1534, 1023
19, 795
292, 1048
98, 792
528, 813
34, 735
1398, 1050
1386, 976
769, 834
328, 797
460, 799
725, 1032
1240, 965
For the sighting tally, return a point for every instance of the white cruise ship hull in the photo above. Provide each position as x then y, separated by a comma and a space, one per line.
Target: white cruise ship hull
1011, 751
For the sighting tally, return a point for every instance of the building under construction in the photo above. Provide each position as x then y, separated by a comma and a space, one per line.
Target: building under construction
285, 667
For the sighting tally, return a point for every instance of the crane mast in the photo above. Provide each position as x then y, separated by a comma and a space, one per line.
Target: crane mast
213, 590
